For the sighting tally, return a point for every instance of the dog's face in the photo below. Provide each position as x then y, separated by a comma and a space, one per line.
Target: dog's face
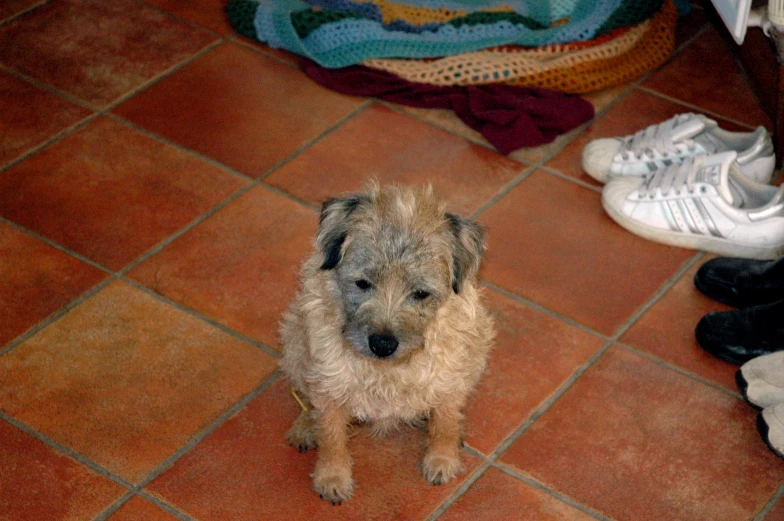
396, 257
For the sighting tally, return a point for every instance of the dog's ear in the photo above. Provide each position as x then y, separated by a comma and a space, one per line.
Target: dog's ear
469, 246
333, 227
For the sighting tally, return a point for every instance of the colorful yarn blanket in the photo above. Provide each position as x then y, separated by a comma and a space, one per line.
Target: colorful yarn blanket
360, 30
576, 68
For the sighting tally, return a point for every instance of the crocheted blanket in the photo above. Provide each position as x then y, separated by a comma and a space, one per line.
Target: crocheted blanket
361, 30
577, 67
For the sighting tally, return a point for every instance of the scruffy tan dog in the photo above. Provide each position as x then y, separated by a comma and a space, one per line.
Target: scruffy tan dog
387, 327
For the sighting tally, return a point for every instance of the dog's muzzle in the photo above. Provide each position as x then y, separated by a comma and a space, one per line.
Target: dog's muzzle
382, 345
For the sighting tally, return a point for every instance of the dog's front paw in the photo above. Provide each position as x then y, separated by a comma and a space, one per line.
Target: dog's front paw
440, 468
335, 485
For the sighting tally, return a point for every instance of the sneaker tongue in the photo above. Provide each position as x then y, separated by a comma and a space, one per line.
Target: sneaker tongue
688, 129
715, 170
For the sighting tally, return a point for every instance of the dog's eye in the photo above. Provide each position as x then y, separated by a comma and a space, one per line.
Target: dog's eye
421, 294
363, 284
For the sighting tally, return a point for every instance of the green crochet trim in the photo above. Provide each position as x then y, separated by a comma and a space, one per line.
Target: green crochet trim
493, 17
632, 12
241, 14
308, 20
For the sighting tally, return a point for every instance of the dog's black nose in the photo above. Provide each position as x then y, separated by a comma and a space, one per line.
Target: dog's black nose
382, 345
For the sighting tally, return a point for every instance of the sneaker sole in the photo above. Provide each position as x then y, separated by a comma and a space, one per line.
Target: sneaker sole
710, 244
763, 429
743, 387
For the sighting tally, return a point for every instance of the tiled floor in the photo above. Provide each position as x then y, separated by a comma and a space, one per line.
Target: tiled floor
159, 179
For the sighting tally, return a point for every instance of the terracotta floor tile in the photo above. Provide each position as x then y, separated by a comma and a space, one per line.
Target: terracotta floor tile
126, 380
533, 355
37, 483
11, 7
139, 509
667, 331
207, 13
110, 46
281, 54
634, 112
236, 118
31, 116
496, 496
550, 241
240, 266
394, 147
245, 470
722, 87
111, 193
635, 440
776, 513
36, 280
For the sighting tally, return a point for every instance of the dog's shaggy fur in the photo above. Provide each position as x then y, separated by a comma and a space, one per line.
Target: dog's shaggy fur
388, 327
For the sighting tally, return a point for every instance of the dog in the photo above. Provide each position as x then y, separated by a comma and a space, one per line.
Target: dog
387, 328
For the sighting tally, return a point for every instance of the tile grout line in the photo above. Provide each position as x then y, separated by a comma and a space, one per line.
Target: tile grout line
547, 490
207, 159
575, 180
179, 18
62, 134
96, 112
550, 401
163, 505
55, 316
49, 88
774, 499
199, 436
113, 507
681, 370
62, 449
201, 317
504, 190
538, 307
208, 48
23, 12
294, 155
691, 106
254, 46
459, 491
401, 109
545, 406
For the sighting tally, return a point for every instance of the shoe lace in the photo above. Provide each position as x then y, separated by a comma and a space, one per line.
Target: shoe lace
671, 178
658, 137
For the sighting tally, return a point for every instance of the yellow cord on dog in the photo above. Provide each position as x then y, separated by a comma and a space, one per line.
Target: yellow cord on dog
299, 400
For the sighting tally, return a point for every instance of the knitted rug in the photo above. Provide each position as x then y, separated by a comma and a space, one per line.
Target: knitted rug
577, 67
340, 37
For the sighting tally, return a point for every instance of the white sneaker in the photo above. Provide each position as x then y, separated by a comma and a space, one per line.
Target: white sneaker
761, 380
685, 135
770, 423
703, 203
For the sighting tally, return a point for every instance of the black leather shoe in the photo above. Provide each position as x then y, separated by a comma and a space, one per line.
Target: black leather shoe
740, 335
741, 282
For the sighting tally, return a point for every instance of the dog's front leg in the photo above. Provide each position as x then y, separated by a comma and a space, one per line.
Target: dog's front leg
332, 477
442, 458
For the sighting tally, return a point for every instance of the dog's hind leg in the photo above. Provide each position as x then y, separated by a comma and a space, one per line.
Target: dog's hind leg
332, 477
442, 457
302, 433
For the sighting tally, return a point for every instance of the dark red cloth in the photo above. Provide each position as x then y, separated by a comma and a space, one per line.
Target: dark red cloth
508, 117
